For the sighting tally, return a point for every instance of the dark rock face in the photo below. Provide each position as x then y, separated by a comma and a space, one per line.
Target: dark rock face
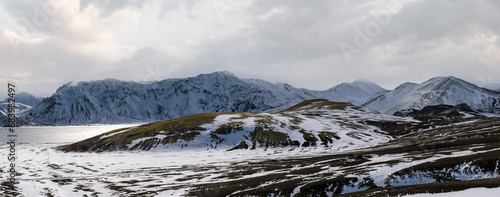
437, 110
241, 145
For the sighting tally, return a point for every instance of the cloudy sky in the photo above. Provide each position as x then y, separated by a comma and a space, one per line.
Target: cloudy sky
308, 44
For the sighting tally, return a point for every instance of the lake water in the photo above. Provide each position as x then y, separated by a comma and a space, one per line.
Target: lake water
57, 134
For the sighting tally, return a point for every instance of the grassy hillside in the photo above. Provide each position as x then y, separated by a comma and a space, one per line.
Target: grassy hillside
310, 123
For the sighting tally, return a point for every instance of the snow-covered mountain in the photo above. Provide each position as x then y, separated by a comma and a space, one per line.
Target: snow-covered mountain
436, 91
27, 99
24, 102
115, 101
355, 92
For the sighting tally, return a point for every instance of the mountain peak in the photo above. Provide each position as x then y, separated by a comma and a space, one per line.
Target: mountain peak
446, 78
27, 99
219, 73
406, 85
360, 85
446, 83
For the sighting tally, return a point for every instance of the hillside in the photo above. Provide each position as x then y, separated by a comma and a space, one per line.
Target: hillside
333, 125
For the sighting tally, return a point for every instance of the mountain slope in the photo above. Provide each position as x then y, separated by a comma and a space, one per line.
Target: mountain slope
115, 101
436, 91
334, 125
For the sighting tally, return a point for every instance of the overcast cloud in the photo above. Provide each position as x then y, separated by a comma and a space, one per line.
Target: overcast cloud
308, 44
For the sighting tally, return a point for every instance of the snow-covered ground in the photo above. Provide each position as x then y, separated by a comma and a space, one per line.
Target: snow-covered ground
45, 170
483, 192
280, 171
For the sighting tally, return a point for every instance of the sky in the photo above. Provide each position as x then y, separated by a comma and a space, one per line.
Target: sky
308, 44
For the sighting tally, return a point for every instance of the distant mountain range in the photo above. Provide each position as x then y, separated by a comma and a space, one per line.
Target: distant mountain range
115, 101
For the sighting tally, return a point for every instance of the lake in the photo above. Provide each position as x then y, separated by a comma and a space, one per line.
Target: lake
57, 134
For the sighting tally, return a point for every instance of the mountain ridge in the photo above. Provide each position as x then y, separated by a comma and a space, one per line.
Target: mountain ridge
115, 101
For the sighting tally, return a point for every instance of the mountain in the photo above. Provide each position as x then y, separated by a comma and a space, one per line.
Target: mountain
355, 92
115, 101
318, 122
26, 98
436, 91
24, 102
